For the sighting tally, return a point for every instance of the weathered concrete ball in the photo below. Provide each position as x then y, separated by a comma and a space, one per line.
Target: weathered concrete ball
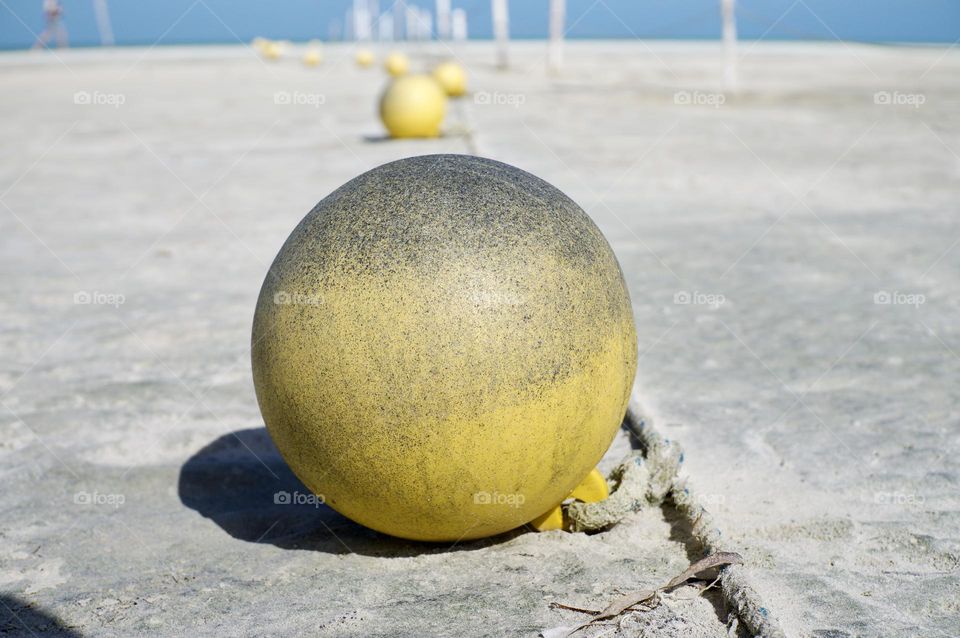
444, 347
273, 50
413, 106
452, 78
313, 57
396, 64
364, 58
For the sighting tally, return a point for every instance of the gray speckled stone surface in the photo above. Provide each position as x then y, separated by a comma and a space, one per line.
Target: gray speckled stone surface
820, 425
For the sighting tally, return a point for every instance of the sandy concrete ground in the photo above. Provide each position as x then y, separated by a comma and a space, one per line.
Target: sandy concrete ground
792, 252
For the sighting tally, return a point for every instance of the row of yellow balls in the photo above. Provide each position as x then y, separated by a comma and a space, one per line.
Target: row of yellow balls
411, 105
276, 49
449, 75
415, 105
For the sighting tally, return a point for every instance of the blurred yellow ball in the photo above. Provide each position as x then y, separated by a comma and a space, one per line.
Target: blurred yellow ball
273, 50
413, 106
313, 57
397, 64
364, 58
452, 78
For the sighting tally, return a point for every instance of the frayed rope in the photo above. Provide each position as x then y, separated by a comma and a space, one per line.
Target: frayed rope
651, 476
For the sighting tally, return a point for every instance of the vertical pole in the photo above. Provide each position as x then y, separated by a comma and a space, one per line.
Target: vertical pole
373, 9
558, 11
458, 25
412, 18
103, 22
501, 31
399, 20
730, 78
361, 21
426, 23
386, 27
443, 19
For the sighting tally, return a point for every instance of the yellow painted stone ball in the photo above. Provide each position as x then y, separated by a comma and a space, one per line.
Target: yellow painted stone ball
396, 64
452, 78
313, 57
413, 106
273, 50
444, 348
364, 58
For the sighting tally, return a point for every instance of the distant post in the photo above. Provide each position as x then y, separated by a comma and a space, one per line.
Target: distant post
443, 19
458, 25
103, 22
501, 31
348, 21
413, 23
426, 24
729, 43
399, 20
385, 28
373, 7
558, 11
362, 30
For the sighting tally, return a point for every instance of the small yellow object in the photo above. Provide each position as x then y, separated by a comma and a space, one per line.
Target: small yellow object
364, 58
592, 489
313, 57
273, 50
259, 44
413, 106
552, 520
396, 64
452, 78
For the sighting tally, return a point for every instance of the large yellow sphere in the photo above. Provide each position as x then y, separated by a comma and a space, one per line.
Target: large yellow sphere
452, 78
396, 64
444, 348
413, 106
364, 58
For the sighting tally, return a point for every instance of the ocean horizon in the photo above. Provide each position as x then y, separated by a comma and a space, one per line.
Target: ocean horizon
180, 22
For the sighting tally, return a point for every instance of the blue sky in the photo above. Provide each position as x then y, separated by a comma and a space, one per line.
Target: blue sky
212, 21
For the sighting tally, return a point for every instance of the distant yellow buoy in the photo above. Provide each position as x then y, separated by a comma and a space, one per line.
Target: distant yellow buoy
272, 50
413, 106
364, 58
396, 64
452, 78
313, 57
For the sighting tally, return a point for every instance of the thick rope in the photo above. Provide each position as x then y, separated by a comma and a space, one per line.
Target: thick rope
649, 478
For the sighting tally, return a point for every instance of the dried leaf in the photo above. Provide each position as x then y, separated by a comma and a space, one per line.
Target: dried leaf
592, 612
625, 602
712, 561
